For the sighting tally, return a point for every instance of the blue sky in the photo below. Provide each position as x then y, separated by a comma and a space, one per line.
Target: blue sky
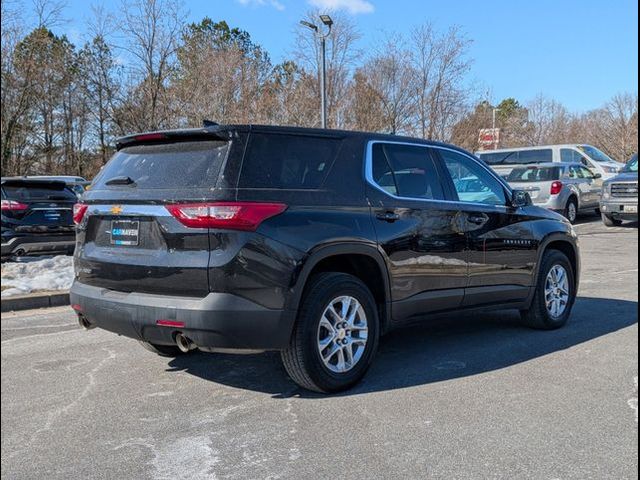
580, 53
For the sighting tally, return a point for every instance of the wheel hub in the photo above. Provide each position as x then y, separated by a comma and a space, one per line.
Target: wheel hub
342, 334
557, 291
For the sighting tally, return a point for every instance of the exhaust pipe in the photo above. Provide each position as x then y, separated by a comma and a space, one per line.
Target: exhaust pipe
184, 344
84, 323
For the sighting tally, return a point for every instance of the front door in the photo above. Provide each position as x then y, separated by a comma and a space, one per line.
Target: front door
502, 253
417, 230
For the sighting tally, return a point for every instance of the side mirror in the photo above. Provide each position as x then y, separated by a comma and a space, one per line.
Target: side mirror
597, 176
521, 199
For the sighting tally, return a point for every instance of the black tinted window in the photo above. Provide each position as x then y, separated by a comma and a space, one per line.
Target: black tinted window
534, 156
406, 171
495, 158
516, 157
30, 192
287, 161
174, 165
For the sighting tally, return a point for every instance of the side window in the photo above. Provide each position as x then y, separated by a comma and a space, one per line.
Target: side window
405, 171
471, 181
526, 157
566, 155
586, 173
287, 161
573, 173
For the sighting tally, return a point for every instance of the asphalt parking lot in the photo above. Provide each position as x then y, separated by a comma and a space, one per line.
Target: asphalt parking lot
474, 397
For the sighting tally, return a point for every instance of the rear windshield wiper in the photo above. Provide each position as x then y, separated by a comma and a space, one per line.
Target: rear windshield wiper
124, 180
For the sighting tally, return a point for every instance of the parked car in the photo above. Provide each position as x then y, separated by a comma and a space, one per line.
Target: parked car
311, 242
505, 160
620, 196
77, 184
566, 188
37, 217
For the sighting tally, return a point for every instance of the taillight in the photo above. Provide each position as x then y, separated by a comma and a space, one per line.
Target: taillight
13, 206
227, 215
79, 209
556, 188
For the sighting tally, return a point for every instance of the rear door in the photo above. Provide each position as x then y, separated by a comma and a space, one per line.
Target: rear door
502, 253
416, 228
37, 206
129, 240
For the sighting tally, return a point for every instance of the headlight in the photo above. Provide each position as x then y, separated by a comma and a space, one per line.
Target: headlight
606, 191
610, 169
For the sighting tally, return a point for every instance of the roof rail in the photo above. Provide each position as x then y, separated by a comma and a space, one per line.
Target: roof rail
209, 123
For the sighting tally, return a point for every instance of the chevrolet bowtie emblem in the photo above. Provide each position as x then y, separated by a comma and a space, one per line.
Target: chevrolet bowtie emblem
116, 209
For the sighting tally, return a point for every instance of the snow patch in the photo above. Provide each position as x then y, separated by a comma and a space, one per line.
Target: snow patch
31, 275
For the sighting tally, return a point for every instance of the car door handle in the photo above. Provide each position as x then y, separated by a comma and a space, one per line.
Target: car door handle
478, 219
387, 216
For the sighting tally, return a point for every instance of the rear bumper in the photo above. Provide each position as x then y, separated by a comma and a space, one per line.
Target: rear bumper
38, 244
217, 321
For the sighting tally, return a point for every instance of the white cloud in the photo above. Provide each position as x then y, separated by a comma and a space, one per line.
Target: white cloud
261, 3
351, 6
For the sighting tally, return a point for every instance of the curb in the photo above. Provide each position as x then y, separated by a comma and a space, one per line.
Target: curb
35, 300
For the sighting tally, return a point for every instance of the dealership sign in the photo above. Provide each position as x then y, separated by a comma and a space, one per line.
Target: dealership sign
488, 137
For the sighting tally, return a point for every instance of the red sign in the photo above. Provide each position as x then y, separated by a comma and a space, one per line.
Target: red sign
488, 137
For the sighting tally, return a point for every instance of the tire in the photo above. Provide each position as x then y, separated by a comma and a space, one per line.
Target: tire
539, 316
302, 358
610, 221
571, 210
162, 350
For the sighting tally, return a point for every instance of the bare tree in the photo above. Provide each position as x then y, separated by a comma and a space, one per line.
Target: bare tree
388, 81
342, 58
614, 128
151, 31
441, 67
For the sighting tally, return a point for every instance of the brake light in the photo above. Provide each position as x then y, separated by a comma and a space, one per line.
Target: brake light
13, 206
228, 215
169, 323
79, 209
556, 188
150, 137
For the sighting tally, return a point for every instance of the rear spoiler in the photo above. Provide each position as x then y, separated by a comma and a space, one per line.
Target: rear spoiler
212, 132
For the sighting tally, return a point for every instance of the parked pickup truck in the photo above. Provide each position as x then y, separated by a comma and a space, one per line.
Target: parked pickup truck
620, 196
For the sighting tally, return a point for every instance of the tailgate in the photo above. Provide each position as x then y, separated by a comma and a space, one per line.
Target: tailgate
141, 248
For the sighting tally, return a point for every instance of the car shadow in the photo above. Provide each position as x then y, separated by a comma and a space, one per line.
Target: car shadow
442, 348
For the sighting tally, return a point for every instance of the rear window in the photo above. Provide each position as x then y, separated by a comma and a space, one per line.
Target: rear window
518, 157
30, 192
534, 174
166, 166
276, 161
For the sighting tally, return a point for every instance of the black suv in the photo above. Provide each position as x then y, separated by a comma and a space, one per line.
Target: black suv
310, 242
37, 217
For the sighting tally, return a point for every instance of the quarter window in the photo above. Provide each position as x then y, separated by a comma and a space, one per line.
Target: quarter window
405, 171
471, 181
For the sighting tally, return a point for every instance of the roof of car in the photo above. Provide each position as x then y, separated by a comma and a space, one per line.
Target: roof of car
224, 132
537, 147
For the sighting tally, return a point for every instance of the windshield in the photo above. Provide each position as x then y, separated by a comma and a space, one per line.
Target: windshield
534, 174
632, 166
595, 154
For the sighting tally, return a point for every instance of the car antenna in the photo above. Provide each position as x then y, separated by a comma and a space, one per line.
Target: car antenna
209, 123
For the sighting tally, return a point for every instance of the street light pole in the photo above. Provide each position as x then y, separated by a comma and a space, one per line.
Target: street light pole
326, 20
323, 83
